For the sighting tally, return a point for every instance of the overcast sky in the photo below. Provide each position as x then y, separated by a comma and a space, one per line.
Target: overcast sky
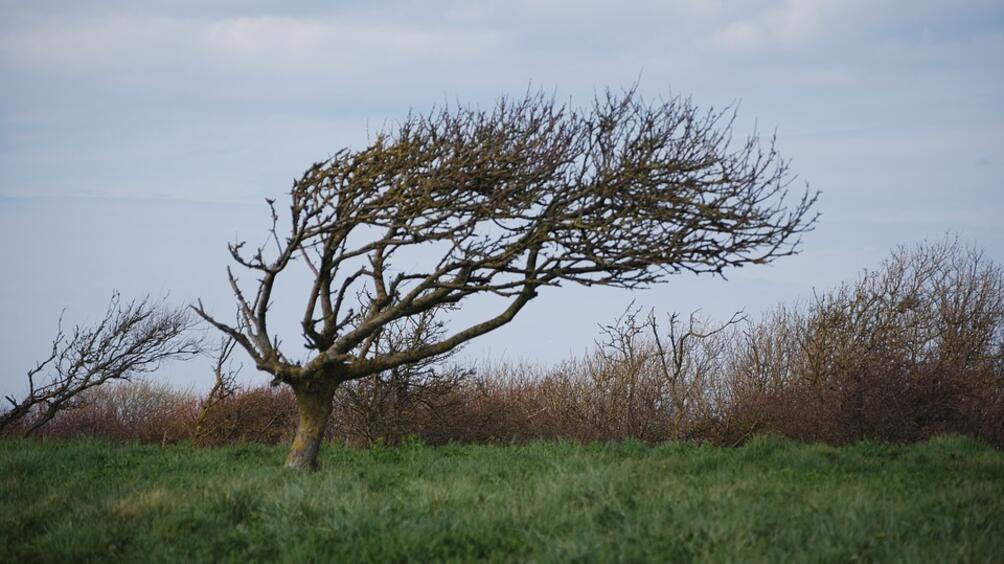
138, 138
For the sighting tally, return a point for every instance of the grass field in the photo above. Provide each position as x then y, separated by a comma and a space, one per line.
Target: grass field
770, 501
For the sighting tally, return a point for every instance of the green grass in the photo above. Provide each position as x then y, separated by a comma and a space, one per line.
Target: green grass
770, 501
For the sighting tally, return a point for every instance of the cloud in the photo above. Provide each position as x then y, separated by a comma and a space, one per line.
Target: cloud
790, 25
326, 45
69, 45
281, 44
836, 28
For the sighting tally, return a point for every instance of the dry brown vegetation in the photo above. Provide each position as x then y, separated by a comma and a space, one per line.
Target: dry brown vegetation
134, 411
910, 350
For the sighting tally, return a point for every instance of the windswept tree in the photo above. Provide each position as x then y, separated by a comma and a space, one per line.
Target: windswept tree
133, 338
503, 202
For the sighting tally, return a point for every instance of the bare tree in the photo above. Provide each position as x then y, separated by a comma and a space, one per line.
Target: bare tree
131, 339
690, 361
503, 202
225, 374
662, 378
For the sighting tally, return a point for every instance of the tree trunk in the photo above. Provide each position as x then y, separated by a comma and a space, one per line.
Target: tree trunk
314, 402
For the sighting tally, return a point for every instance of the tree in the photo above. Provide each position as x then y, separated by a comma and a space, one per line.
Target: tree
224, 386
503, 202
132, 338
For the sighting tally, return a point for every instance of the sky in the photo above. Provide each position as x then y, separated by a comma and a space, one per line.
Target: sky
138, 138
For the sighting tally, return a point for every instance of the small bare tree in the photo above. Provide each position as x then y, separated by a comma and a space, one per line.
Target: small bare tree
131, 339
225, 374
662, 377
690, 356
503, 202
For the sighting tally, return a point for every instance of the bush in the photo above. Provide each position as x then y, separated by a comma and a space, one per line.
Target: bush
127, 411
259, 415
908, 351
911, 350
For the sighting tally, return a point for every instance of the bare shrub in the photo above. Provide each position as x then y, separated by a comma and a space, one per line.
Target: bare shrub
508, 403
260, 415
406, 400
907, 351
388, 407
127, 411
910, 350
638, 383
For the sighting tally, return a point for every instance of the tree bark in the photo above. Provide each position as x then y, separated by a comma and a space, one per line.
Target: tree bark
314, 402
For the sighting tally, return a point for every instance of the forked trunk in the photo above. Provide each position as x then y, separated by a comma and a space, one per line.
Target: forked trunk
314, 403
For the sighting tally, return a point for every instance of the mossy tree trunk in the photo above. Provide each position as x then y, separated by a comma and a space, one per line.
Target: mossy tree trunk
314, 402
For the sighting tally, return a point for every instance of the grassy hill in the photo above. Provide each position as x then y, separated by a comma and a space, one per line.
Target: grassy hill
769, 501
